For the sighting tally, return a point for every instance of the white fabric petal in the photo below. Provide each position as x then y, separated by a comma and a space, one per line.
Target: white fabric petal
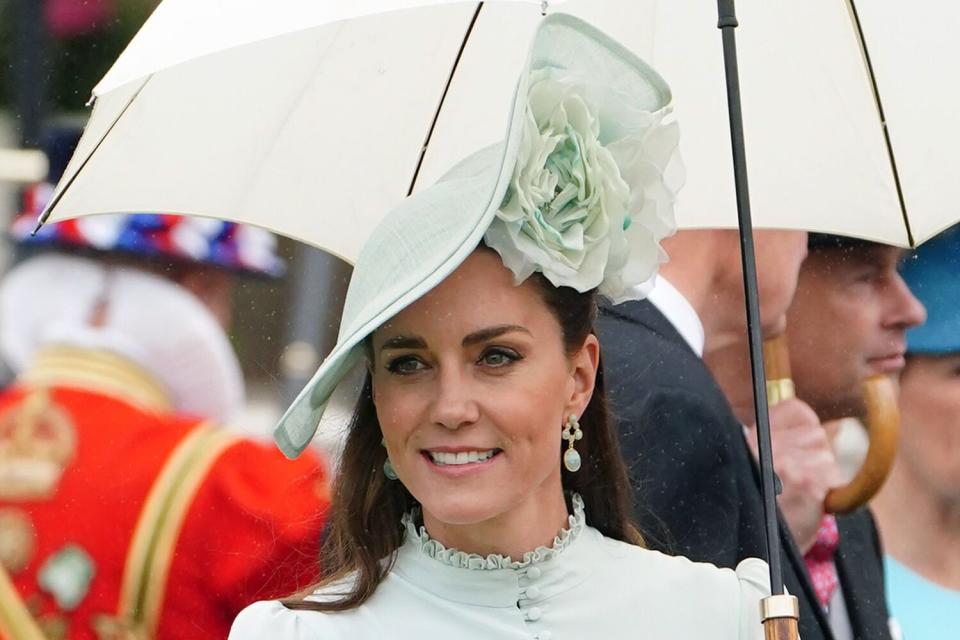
591, 197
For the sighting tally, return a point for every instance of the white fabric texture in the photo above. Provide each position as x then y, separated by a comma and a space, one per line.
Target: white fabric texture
50, 300
592, 587
839, 617
681, 314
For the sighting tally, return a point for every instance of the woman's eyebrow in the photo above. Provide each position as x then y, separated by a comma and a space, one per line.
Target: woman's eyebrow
404, 342
492, 332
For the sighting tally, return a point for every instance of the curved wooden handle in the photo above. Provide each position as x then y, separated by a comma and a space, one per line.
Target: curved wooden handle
882, 422
883, 427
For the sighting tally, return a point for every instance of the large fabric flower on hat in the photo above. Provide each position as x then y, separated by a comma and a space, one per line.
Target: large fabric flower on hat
592, 193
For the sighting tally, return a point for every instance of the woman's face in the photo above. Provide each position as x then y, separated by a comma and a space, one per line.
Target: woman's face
930, 436
472, 387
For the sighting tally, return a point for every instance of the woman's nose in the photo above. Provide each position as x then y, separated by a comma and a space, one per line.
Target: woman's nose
454, 405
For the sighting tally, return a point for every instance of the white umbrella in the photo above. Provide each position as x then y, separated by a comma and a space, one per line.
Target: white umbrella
309, 118
301, 116
819, 159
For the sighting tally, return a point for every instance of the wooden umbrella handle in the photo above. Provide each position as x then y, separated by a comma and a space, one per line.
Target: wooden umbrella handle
882, 421
883, 428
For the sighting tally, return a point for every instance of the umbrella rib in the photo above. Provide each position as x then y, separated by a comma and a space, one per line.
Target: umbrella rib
56, 199
858, 28
443, 97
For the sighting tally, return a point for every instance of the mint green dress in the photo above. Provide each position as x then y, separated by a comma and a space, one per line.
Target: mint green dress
584, 585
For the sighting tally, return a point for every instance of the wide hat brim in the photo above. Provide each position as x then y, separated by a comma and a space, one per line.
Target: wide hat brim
430, 234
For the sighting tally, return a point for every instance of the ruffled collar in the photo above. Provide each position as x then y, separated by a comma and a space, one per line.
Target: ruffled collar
434, 549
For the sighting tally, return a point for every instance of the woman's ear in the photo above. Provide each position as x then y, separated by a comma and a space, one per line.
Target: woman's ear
584, 365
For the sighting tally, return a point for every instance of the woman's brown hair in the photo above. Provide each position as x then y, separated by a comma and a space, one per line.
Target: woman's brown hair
364, 529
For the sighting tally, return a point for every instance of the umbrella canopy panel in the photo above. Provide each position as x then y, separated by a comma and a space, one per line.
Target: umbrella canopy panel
914, 56
815, 146
184, 30
313, 134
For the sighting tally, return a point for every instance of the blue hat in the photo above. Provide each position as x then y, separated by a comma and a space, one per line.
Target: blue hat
933, 275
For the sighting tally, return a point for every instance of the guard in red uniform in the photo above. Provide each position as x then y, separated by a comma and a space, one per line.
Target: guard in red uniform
126, 511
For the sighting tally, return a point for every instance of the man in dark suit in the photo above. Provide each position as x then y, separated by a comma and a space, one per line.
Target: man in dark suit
696, 479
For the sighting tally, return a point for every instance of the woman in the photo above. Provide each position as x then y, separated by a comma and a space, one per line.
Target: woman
481, 494
918, 509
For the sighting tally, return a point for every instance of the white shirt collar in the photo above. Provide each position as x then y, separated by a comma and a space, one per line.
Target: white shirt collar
678, 310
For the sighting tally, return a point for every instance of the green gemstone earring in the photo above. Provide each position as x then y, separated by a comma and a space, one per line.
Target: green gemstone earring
572, 433
388, 469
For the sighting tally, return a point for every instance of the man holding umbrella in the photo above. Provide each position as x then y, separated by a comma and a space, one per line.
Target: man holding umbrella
697, 491
697, 484
846, 324
125, 509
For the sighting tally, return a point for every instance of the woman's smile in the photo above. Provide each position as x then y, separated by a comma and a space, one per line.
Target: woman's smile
460, 461
461, 455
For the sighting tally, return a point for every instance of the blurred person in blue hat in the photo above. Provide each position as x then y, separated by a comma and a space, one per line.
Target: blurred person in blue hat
126, 510
918, 508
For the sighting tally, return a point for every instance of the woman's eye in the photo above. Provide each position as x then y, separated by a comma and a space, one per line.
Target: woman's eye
499, 357
405, 365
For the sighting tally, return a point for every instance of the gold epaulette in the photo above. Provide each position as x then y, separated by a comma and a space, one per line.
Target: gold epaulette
16, 623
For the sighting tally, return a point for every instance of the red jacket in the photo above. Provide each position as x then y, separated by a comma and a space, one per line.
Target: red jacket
222, 521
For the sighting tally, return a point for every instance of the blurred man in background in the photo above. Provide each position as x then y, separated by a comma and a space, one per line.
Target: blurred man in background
126, 511
918, 508
847, 323
696, 482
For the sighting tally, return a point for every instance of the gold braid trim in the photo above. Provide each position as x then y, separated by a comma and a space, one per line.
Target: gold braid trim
16, 623
98, 371
155, 537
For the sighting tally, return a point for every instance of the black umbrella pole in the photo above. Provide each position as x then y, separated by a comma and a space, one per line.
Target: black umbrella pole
727, 24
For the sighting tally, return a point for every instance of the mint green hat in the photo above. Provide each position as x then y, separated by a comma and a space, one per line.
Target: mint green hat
581, 189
